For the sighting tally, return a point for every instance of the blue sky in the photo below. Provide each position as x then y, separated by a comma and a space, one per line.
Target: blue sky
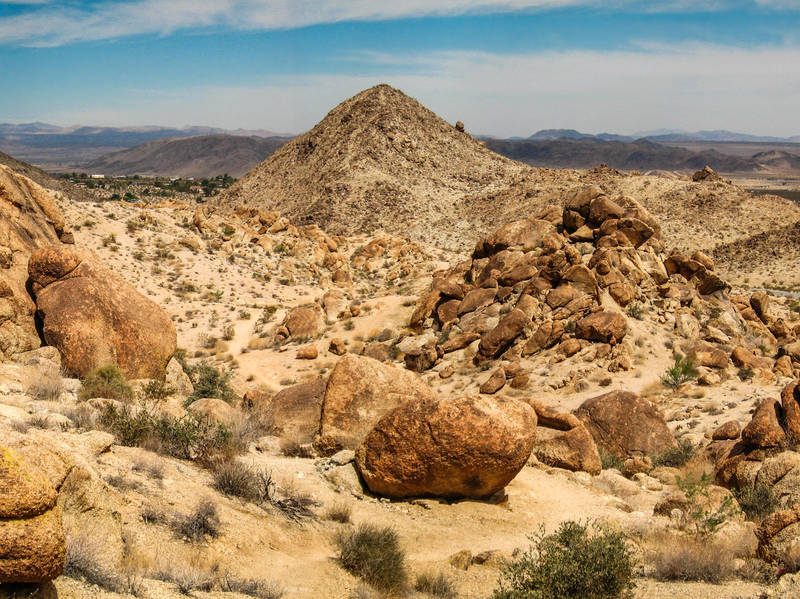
504, 67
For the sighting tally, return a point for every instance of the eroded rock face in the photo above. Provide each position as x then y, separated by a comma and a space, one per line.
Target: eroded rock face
625, 425
603, 326
32, 546
94, 318
295, 411
470, 446
359, 392
29, 219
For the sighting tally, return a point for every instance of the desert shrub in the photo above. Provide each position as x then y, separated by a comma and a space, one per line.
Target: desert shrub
239, 480
675, 456
157, 390
756, 501
202, 522
44, 382
374, 554
123, 483
570, 564
680, 372
209, 382
692, 558
292, 448
252, 587
636, 310
436, 585
190, 437
107, 382
229, 332
745, 373
153, 467
339, 512
609, 460
702, 516
186, 577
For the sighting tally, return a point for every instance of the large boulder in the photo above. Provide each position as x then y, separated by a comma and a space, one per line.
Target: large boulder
32, 545
295, 411
525, 235
94, 318
359, 392
504, 334
464, 447
764, 430
29, 220
625, 425
603, 326
779, 534
304, 321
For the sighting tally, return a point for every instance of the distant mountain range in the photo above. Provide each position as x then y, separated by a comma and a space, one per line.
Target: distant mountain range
68, 148
671, 135
201, 156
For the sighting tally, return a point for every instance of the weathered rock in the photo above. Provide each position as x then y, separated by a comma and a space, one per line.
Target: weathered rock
95, 318
337, 347
507, 330
764, 430
727, 430
29, 220
178, 379
307, 352
304, 321
216, 410
420, 359
32, 545
779, 533
459, 341
295, 411
495, 382
760, 303
744, 358
573, 450
791, 410
546, 336
477, 298
359, 392
625, 425
524, 235
464, 447
603, 326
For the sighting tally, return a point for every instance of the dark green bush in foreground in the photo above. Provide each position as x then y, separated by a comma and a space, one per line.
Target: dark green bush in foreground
571, 563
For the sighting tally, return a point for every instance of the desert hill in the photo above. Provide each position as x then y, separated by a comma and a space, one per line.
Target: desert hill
200, 156
44, 179
378, 160
586, 152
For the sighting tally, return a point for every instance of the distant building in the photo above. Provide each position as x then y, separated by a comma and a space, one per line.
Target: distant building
98, 176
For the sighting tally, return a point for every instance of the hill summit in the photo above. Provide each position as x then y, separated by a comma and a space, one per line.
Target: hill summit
378, 160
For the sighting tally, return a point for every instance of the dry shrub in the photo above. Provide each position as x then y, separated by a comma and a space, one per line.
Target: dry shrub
252, 587
436, 585
201, 523
292, 448
692, 558
374, 554
339, 512
44, 381
149, 465
86, 559
243, 481
107, 382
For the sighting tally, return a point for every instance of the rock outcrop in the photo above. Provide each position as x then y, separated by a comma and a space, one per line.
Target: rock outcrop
32, 545
359, 392
94, 318
29, 220
625, 425
463, 447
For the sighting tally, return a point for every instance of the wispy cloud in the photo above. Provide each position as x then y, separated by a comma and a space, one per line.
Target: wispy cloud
692, 87
57, 24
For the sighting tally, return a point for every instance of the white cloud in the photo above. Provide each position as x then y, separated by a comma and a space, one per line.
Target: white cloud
689, 87
58, 24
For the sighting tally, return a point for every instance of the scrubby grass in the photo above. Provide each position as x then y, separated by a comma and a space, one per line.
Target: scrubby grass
107, 382
571, 563
680, 372
44, 382
190, 437
609, 460
757, 502
373, 553
239, 480
339, 512
157, 390
252, 587
676, 456
202, 522
86, 560
435, 585
692, 558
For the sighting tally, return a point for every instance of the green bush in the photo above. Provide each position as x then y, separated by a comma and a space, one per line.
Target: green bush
676, 456
374, 554
209, 382
190, 437
682, 371
157, 390
570, 564
705, 517
756, 501
107, 382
